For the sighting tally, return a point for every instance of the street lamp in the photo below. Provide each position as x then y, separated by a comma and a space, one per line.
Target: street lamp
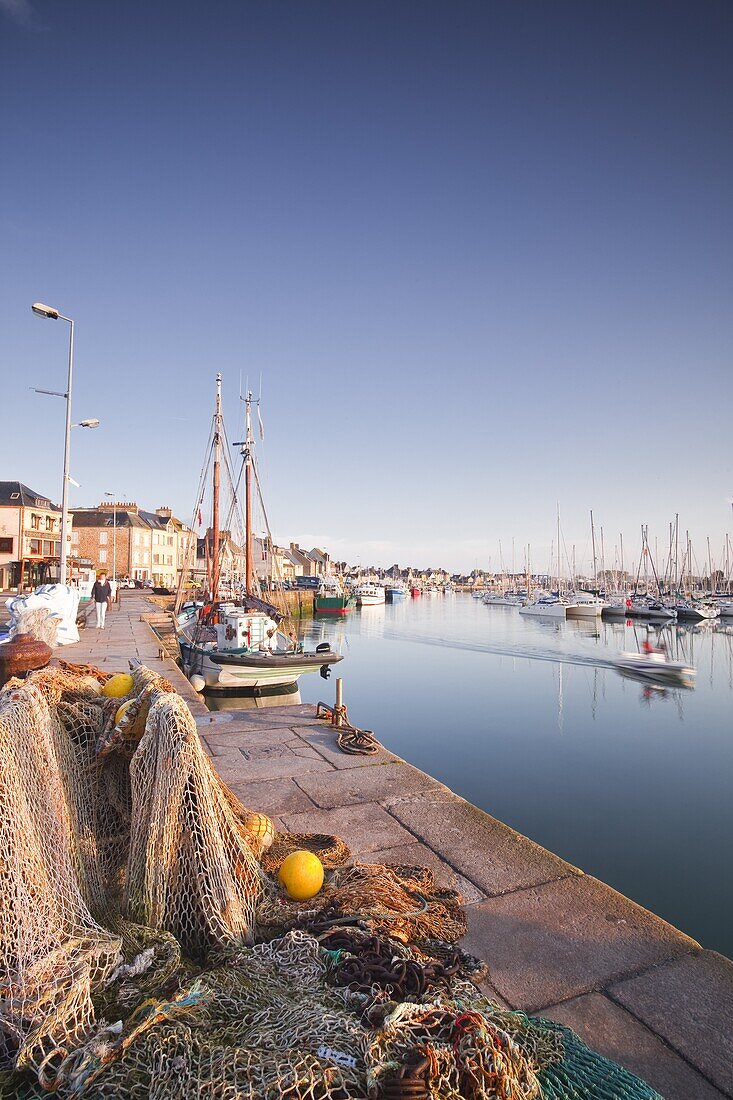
53, 315
113, 497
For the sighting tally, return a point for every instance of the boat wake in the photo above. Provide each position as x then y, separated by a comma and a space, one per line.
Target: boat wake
531, 653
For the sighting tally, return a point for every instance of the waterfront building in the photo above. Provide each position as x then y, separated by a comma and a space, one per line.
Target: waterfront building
136, 543
30, 537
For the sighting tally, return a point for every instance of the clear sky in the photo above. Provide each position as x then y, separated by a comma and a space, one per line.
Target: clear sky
480, 254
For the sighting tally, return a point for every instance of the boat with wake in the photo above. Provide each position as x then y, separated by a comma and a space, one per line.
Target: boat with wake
655, 664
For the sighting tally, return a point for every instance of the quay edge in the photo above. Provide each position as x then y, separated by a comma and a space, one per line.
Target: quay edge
558, 943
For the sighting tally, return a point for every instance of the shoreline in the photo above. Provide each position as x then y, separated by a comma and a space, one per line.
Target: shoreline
557, 942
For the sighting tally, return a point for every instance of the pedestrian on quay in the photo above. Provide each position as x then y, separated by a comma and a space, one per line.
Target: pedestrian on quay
102, 596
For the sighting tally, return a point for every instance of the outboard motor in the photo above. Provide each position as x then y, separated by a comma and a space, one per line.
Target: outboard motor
325, 671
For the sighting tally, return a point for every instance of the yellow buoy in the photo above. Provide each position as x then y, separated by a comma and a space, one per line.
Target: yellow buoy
301, 875
122, 711
118, 686
260, 826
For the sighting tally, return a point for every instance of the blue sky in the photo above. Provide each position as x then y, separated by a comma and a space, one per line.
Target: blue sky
480, 255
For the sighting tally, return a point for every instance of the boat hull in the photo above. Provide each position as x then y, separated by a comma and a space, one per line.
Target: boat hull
222, 670
370, 601
585, 611
657, 669
334, 605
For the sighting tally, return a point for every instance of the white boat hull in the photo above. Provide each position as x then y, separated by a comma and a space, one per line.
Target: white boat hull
222, 675
370, 601
545, 611
585, 610
654, 667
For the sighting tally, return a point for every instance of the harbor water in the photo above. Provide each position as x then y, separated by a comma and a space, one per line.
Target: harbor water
528, 720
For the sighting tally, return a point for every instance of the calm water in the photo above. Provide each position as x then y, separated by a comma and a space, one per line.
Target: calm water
524, 719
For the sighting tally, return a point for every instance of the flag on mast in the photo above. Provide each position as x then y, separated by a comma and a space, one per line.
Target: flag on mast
262, 426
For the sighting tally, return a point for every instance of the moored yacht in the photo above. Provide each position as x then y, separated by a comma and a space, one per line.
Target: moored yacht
694, 610
548, 607
585, 605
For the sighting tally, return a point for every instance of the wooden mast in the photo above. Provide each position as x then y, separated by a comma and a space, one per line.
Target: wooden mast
215, 565
248, 557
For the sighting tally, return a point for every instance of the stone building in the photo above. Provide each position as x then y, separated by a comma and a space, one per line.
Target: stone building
131, 542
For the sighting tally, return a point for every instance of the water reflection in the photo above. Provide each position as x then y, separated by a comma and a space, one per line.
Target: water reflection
252, 698
530, 720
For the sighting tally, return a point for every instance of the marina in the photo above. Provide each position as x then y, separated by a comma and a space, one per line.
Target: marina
558, 940
625, 778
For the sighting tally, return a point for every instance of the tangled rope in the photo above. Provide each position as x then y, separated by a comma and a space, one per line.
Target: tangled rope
350, 739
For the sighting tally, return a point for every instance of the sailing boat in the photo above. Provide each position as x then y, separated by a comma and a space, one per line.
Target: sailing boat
238, 645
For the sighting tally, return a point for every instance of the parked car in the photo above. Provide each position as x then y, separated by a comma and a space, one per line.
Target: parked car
309, 583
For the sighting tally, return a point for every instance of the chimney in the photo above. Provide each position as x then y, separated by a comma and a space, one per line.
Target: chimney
164, 513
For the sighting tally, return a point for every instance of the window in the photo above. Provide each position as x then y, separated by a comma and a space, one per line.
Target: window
48, 547
102, 538
136, 558
102, 557
15, 496
35, 546
74, 536
170, 540
6, 546
170, 559
156, 559
35, 522
50, 523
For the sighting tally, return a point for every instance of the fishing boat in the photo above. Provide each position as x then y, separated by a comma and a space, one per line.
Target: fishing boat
369, 595
396, 591
415, 591
654, 664
239, 645
332, 599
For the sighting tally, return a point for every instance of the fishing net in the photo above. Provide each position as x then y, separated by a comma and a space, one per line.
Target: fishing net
146, 949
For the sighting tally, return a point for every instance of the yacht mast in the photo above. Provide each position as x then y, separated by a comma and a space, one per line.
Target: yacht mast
593, 540
248, 455
215, 564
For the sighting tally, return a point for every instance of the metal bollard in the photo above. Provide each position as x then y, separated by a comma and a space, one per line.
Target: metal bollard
339, 708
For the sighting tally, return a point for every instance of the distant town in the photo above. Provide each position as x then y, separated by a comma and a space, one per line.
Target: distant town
154, 548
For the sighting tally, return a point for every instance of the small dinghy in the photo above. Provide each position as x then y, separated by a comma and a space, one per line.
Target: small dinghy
654, 664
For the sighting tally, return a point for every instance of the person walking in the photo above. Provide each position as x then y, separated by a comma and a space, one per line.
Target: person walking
102, 595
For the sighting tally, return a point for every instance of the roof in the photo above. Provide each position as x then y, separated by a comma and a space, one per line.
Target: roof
95, 517
15, 494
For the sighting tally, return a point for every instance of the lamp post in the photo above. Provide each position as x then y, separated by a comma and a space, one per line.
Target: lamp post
113, 497
53, 315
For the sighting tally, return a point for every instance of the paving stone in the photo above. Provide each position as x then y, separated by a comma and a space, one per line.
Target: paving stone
324, 739
377, 784
367, 828
613, 1032
552, 942
236, 768
689, 1003
273, 796
493, 856
419, 855
223, 738
269, 717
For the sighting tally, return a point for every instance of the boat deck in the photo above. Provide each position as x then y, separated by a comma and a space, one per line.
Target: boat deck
558, 942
